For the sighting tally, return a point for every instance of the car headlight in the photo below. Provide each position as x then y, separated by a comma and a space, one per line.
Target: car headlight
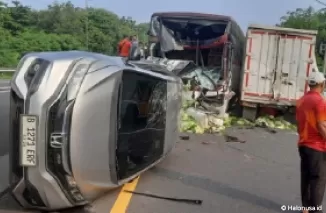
76, 81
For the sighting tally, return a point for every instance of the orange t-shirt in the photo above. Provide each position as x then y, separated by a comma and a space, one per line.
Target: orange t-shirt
310, 109
124, 48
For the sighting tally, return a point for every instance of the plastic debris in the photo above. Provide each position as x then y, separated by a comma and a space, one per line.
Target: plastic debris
208, 143
184, 137
229, 138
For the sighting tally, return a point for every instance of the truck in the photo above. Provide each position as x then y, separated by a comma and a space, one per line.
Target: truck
276, 63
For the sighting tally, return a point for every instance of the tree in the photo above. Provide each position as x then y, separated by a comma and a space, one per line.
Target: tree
62, 26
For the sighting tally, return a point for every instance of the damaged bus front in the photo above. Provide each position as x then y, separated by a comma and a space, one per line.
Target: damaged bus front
214, 43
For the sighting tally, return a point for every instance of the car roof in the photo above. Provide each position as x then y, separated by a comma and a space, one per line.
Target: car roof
193, 14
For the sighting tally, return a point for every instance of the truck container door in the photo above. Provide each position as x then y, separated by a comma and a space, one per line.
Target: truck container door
276, 66
259, 65
293, 65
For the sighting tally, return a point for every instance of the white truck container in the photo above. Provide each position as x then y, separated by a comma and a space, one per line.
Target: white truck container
276, 65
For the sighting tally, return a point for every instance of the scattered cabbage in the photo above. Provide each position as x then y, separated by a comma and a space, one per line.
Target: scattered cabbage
211, 123
189, 124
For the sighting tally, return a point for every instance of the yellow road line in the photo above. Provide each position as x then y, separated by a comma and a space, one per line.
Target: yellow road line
123, 200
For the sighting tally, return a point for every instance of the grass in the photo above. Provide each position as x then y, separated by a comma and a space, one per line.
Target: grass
6, 75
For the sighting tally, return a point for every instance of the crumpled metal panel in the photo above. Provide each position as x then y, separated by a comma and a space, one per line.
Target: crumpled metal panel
208, 77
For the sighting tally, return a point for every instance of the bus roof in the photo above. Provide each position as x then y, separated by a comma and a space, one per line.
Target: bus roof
193, 15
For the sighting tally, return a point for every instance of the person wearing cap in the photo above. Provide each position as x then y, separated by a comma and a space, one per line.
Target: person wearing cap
311, 121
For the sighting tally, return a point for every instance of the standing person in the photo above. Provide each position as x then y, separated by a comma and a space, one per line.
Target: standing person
124, 47
134, 47
134, 40
142, 50
311, 118
145, 50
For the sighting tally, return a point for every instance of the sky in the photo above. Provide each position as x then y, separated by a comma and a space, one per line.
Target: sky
244, 12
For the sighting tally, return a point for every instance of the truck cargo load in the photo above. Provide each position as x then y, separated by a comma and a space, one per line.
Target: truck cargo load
276, 65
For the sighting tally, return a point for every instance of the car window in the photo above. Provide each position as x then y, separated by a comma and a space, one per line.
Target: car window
141, 123
143, 102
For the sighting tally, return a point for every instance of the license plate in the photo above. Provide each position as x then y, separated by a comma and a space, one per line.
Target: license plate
28, 139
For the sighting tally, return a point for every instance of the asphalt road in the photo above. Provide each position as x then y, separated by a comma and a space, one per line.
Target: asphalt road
258, 176
4, 84
6, 203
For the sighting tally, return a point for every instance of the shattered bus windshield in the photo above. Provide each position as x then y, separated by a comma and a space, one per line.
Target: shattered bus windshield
189, 32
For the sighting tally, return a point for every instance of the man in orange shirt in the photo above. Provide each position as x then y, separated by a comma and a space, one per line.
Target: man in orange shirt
311, 119
124, 47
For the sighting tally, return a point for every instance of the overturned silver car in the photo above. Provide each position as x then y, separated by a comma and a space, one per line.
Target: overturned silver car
83, 123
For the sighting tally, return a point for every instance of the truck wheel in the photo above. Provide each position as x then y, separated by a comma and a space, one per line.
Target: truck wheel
249, 113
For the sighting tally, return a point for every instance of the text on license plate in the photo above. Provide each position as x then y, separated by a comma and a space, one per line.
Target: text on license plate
28, 139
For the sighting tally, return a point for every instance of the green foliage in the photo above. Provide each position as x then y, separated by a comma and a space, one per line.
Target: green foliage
61, 26
309, 19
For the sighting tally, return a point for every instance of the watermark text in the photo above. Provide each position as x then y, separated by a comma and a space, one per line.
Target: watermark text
300, 208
